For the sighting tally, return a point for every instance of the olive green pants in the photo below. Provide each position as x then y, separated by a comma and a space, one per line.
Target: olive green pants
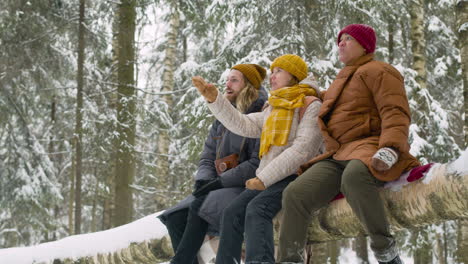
315, 188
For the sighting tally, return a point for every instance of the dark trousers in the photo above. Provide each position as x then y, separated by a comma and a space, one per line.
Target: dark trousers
187, 235
251, 212
316, 188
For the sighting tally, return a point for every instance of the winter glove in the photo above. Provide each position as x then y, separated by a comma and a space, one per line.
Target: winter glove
384, 159
208, 187
208, 90
255, 184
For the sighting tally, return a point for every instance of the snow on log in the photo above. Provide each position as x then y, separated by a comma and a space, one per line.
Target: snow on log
441, 195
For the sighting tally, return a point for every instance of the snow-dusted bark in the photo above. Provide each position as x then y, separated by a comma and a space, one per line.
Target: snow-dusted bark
462, 241
126, 111
79, 119
462, 28
162, 168
418, 41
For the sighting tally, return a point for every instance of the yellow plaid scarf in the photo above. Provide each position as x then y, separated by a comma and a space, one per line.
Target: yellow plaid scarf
276, 129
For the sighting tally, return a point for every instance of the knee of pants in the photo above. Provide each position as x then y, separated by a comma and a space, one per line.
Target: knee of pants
355, 176
177, 220
253, 211
233, 212
290, 193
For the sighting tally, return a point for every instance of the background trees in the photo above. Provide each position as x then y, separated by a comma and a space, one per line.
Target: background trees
143, 125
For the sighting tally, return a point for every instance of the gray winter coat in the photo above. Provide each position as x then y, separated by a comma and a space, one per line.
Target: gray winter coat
222, 140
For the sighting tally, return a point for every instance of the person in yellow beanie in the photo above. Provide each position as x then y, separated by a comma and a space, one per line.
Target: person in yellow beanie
199, 214
287, 140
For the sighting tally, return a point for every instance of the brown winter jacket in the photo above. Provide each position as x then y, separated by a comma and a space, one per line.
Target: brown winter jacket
363, 110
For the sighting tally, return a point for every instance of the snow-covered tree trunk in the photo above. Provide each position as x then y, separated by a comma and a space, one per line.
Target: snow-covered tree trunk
418, 41
162, 168
361, 249
316, 253
418, 48
78, 119
126, 103
462, 242
462, 28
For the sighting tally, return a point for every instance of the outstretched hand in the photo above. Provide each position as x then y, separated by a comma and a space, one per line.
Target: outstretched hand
208, 90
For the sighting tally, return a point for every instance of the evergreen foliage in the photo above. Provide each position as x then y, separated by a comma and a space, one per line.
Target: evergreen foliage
38, 91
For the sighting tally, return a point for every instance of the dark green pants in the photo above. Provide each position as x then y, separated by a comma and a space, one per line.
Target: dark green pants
315, 188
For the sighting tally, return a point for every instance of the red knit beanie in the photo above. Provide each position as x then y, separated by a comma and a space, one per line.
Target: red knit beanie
363, 34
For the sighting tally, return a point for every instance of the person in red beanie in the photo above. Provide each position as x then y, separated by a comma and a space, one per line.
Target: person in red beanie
364, 120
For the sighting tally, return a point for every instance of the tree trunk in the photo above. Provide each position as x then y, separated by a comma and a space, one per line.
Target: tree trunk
391, 42
441, 257
79, 117
462, 242
418, 48
162, 168
361, 249
95, 203
422, 248
333, 252
316, 253
418, 41
462, 29
71, 199
126, 110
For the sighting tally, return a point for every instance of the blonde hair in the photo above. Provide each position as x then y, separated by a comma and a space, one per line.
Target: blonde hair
246, 97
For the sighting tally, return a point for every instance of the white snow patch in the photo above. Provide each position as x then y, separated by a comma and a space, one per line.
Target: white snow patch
461, 164
111, 240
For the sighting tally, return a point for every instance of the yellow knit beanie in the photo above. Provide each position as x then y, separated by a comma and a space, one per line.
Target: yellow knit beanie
293, 64
253, 72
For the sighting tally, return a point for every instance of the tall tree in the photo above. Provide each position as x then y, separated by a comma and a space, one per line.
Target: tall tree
418, 47
79, 118
462, 30
126, 110
361, 249
461, 254
163, 171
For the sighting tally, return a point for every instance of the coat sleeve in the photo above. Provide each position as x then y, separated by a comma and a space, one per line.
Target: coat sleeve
237, 176
392, 104
305, 146
206, 168
249, 125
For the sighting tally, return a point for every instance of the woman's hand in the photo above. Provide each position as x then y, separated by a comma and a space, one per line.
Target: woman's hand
208, 90
255, 184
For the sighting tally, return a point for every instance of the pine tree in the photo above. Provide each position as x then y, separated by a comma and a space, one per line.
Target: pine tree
126, 104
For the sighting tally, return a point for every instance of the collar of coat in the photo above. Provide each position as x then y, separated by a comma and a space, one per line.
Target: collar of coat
350, 68
335, 89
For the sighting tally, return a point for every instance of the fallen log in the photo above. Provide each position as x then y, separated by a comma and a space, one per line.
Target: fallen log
442, 195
